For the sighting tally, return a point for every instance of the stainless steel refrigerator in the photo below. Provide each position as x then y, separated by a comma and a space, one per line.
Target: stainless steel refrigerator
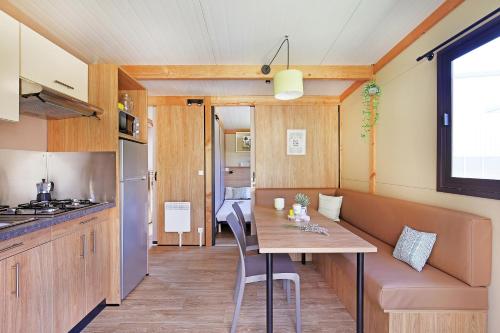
133, 214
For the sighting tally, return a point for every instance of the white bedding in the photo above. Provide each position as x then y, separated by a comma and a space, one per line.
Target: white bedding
226, 209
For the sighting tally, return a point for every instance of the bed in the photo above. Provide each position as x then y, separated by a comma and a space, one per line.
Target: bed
243, 199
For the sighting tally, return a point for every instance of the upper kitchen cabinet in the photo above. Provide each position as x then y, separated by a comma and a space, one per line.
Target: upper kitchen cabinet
9, 68
45, 63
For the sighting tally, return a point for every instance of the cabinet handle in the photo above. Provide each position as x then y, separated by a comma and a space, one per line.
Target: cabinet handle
64, 84
89, 220
16, 268
93, 241
13, 246
82, 237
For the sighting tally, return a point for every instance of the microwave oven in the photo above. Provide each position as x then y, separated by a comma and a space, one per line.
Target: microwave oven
128, 124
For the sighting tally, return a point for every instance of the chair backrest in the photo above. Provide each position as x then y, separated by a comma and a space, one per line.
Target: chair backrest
235, 226
239, 214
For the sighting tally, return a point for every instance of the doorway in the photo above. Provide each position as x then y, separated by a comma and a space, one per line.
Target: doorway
232, 168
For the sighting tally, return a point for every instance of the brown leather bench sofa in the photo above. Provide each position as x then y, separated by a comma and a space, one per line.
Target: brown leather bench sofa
449, 295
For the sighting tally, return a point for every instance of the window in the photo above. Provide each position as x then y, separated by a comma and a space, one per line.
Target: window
469, 114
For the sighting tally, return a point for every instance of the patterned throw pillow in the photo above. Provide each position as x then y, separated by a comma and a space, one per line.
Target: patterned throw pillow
414, 247
229, 193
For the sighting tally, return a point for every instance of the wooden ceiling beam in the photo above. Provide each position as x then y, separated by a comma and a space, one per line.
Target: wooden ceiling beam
244, 72
245, 100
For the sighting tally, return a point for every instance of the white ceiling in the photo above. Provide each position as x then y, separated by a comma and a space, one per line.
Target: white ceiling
228, 32
234, 117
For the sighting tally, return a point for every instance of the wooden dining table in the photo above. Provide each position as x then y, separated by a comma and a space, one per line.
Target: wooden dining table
277, 234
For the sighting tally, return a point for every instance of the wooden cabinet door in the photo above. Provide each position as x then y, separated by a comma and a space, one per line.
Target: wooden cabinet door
9, 68
180, 160
96, 270
27, 281
69, 280
46, 63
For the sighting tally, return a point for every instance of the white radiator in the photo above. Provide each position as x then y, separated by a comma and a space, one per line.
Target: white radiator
177, 217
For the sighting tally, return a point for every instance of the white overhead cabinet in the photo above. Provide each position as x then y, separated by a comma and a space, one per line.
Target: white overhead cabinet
9, 68
45, 63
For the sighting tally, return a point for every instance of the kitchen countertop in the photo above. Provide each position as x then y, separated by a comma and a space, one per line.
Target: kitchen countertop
45, 222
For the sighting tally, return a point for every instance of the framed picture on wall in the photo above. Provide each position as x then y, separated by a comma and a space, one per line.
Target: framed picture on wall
296, 142
243, 142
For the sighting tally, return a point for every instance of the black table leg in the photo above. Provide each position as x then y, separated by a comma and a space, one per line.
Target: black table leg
303, 258
269, 292
359, 292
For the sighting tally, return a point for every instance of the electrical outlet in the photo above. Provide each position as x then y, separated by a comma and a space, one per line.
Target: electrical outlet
200, 230
201, 172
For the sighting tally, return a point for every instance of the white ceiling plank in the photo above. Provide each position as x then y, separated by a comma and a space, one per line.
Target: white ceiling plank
234, 117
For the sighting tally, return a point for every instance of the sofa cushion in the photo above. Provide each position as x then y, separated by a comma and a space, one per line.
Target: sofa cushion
463, 246
396, 286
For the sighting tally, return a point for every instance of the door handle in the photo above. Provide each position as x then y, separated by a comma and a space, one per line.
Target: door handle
16, 268
64, 84
83, 239
13, 246
93, 241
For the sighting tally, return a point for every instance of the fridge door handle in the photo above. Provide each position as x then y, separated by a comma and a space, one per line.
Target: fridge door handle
136, 178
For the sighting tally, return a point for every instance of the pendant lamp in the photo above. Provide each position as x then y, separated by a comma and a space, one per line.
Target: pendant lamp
288, 83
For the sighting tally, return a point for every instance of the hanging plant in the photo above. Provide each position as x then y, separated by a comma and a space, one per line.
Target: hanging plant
371, 95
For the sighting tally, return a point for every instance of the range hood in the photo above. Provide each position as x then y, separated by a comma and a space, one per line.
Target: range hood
43, 102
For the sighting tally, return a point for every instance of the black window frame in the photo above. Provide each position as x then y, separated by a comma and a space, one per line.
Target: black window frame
485, 188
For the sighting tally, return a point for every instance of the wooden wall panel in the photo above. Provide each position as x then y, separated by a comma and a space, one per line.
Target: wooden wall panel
318, 168
180, 155
239, 177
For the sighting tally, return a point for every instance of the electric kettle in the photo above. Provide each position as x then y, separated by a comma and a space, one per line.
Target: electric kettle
44, 190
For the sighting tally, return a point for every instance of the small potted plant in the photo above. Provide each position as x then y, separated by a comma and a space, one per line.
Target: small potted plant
302, 200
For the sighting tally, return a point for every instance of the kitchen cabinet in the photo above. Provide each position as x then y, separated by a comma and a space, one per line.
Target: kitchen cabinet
96, 264
46, 63
9, 68
69, 280
26, 284
80, 269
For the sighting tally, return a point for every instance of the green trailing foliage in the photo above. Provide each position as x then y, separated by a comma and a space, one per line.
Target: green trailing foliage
370, 89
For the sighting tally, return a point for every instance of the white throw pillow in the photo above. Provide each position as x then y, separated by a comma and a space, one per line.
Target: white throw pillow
330, 206
229, 193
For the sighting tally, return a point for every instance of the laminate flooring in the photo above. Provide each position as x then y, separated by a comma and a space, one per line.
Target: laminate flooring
190, 289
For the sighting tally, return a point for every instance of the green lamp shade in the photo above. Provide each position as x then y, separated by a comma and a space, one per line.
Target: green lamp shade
288, 84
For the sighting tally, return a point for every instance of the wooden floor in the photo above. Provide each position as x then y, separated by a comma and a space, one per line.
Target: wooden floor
191, 290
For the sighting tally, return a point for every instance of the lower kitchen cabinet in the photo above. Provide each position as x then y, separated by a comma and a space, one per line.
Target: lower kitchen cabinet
54, 283
69, 280
26, 290
96, 264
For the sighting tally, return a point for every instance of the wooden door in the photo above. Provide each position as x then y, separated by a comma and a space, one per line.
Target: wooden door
27, 281
179, 160
96, 265
69, 280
